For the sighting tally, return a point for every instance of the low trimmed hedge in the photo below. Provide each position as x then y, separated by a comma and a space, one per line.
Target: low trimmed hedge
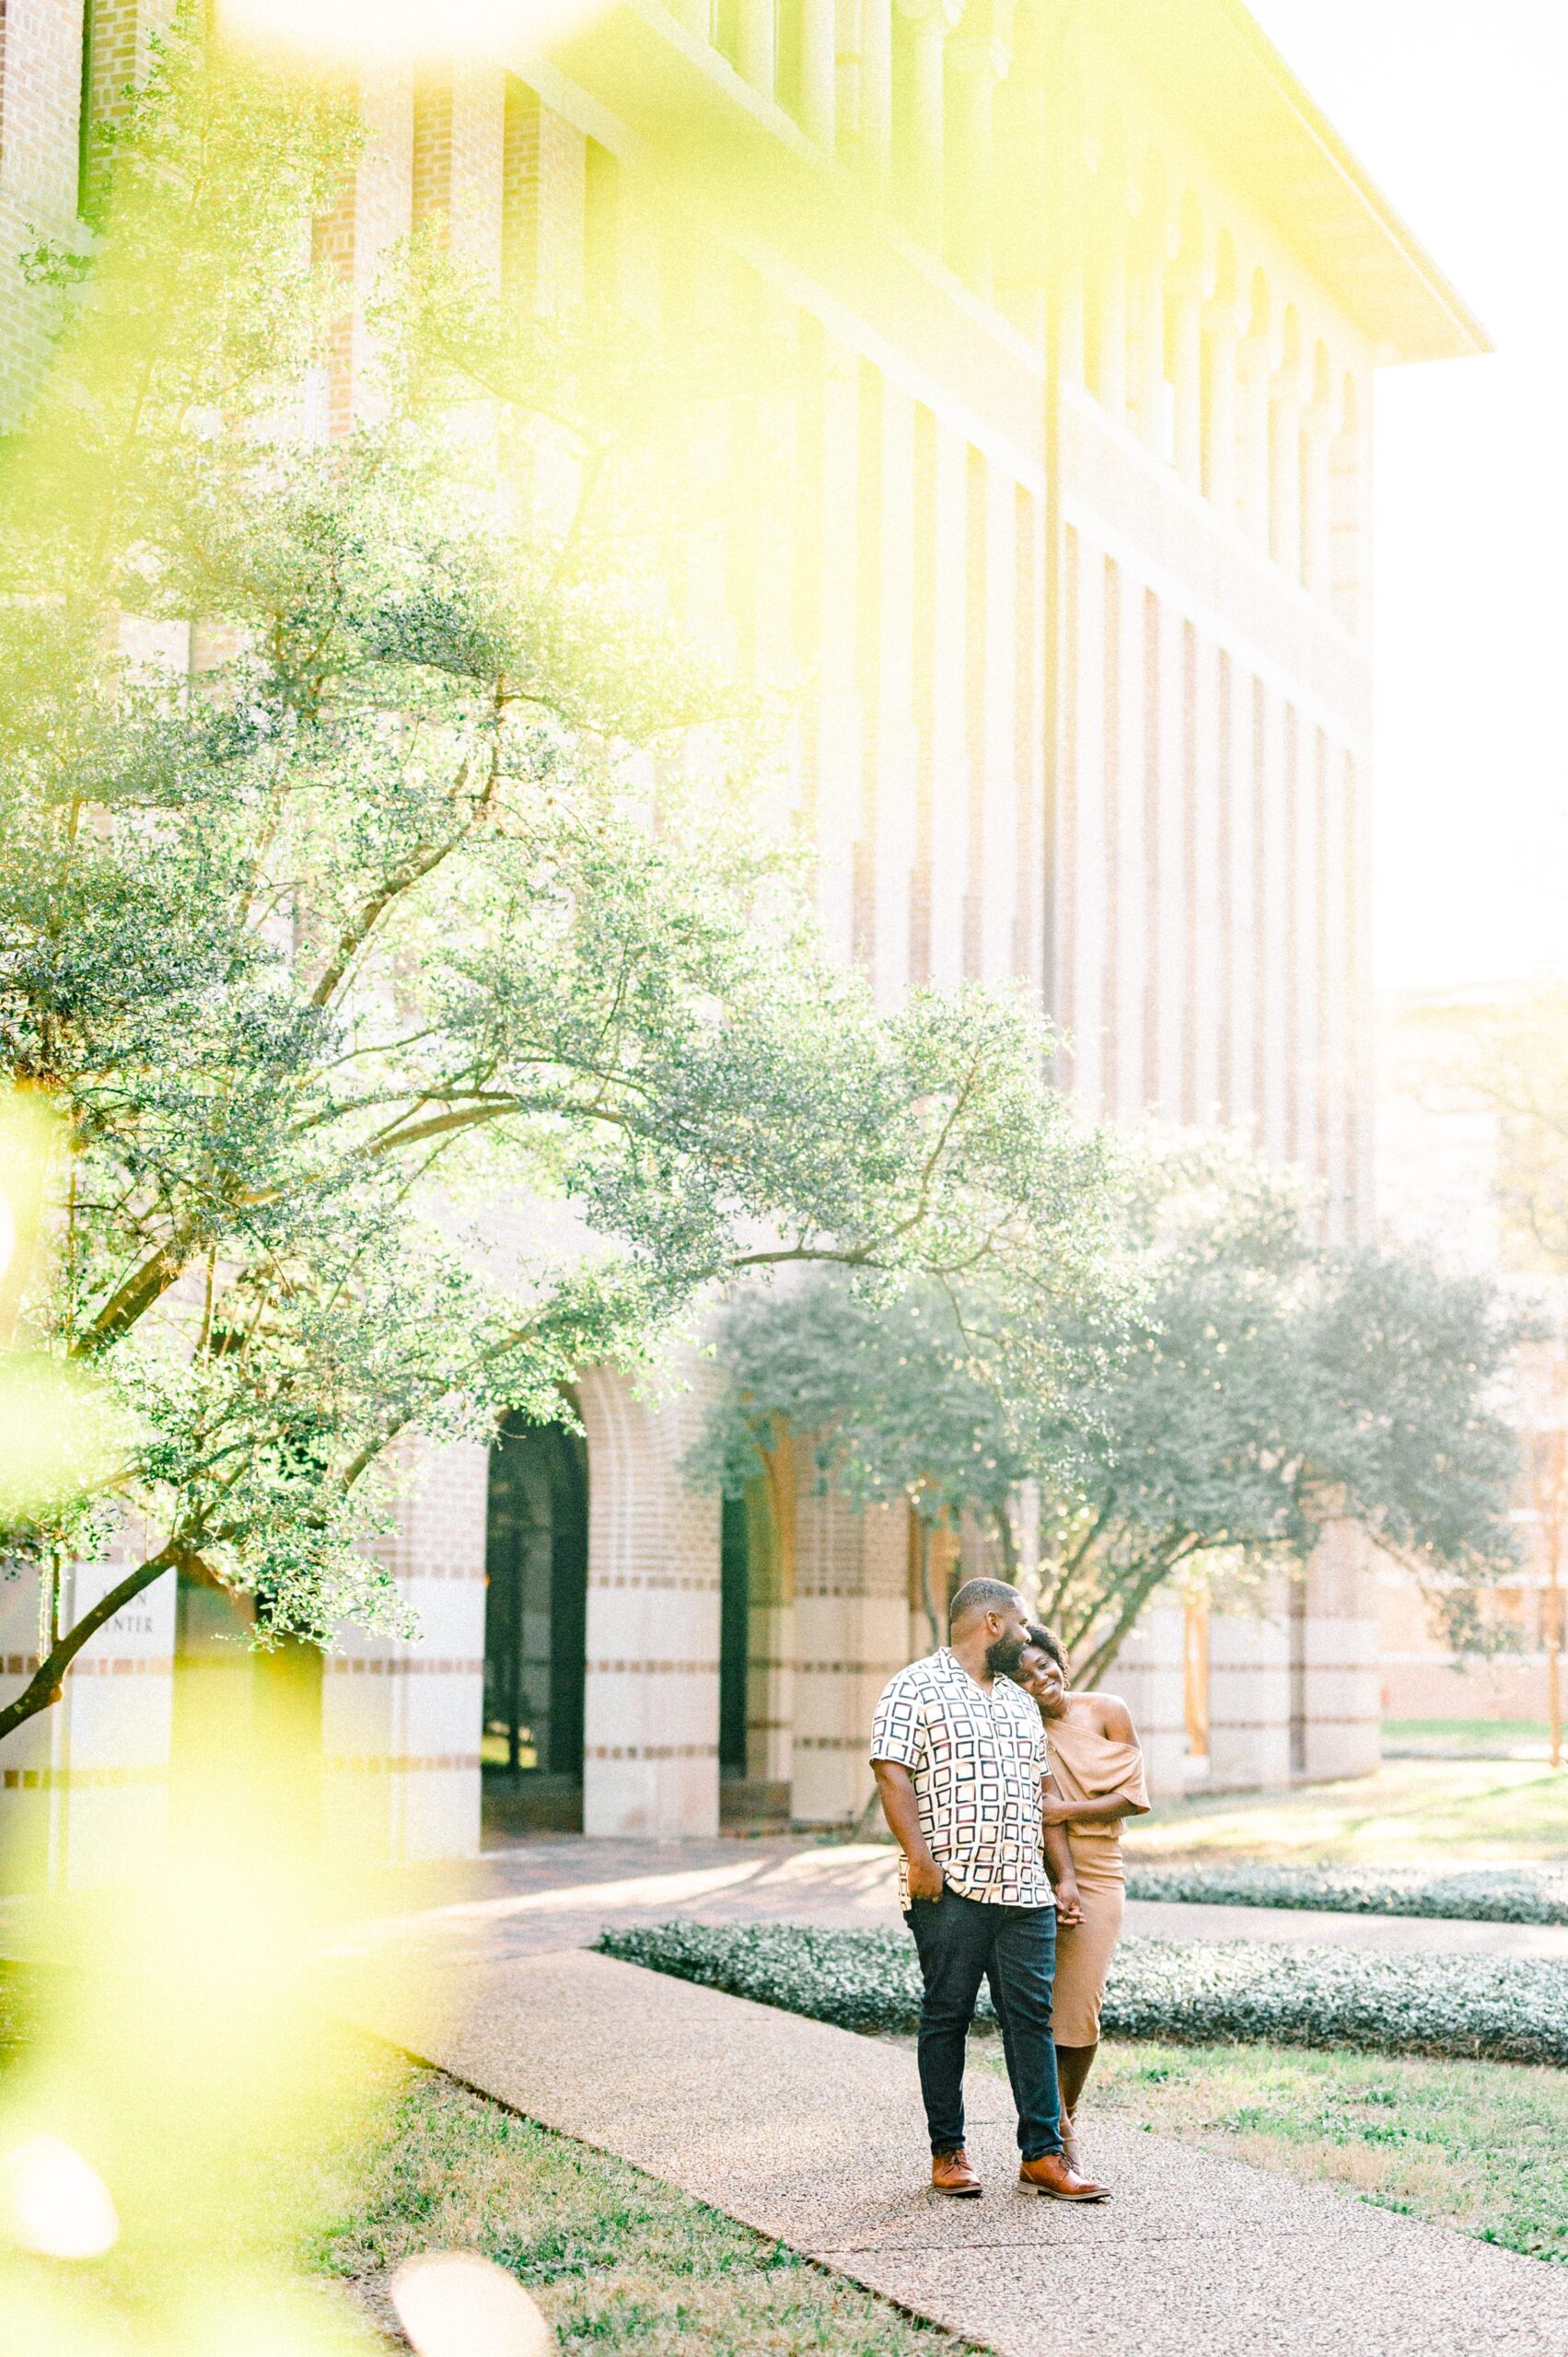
1481, 1895
1504, 2009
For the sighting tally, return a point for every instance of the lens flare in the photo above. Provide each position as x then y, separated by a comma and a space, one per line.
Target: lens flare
54, 2203
454, 2303
372, 33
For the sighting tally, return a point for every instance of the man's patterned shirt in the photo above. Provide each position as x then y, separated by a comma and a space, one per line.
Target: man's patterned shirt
976, 1760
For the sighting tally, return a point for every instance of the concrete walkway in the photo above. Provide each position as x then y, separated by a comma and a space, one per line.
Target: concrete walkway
560, 1892
815, 2136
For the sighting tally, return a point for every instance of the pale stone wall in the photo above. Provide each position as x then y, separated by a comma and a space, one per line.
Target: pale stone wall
1088, 712
1250, 1694
401, 1720
84, 1787
650, 1758
1148, 1675
1422, 1679
1339, 1700
851, 1627
40, 78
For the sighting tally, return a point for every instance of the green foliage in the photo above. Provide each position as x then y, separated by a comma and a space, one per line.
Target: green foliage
1261, 1384
1504, 2009
1500, 1895
1274, 1384
426, 1013
1467, 2145
887, 1388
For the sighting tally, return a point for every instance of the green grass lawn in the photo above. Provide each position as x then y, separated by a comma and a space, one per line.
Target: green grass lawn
1413, 1812
617, 2261
1476, 2145
1467, 1739
1469, 1730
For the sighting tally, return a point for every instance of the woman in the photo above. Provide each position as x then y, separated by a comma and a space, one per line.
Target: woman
1096, 1779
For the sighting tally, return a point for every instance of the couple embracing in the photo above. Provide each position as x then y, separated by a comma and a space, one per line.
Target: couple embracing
1005, 1792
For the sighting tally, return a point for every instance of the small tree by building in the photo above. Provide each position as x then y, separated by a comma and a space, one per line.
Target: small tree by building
1265, 1385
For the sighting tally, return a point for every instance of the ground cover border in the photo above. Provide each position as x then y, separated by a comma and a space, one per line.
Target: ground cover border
1505, 2009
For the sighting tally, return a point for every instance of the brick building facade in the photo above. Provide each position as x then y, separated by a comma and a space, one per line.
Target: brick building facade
1055, 531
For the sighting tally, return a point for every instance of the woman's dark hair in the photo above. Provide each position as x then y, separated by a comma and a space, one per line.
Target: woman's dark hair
1040, 1635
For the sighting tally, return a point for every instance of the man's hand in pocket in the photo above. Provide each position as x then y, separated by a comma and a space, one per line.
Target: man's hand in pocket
926, 1878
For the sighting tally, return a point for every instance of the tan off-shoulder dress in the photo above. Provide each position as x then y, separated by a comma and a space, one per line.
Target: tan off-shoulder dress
1088, 1766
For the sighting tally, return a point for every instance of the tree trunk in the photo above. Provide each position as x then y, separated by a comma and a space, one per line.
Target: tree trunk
778, 1465
923, 1559
47, 1683
1129, 1604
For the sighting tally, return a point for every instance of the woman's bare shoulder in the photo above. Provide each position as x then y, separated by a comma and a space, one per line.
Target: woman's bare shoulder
1112, 1716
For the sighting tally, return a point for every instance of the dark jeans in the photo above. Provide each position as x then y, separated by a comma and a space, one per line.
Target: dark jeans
960, 1943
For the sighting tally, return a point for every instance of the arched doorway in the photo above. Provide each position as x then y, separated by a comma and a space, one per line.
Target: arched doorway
535, 1628
735, 1643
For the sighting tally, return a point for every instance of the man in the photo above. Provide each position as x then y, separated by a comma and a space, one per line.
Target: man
959, 1755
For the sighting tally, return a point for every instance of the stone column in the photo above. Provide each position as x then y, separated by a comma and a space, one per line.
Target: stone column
1071, 260
1348, 534
1188, 285
1148, 1675
980, 56
1249, 1679
851, 1629
755, 47
1284, 472
400, 1722
84, 1787
1222, 331
933, 21
818, 70
877, 90
1340, 1675
1147, 291
651, 1695
1253, 367
1109, 258
848, 69
1316, 436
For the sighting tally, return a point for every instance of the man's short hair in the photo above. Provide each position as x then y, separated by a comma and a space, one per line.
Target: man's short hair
980, 1595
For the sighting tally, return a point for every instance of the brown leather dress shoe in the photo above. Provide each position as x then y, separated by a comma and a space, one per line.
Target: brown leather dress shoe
1051, 2175
951, 2173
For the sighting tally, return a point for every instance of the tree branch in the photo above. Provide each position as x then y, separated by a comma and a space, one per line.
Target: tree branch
45, 1687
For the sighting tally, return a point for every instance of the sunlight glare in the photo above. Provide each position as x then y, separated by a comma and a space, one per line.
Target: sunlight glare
455, 2304
387, 32
54, 2203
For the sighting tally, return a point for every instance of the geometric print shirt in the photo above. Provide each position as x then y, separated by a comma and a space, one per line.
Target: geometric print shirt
976, 1760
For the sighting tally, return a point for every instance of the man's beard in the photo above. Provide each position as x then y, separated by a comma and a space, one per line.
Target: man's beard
1002, 1657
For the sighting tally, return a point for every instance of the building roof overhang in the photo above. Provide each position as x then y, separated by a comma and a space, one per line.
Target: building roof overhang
1224, 75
